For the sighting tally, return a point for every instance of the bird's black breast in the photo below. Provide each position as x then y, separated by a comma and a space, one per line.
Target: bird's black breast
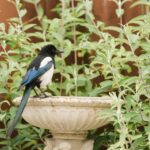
36, 62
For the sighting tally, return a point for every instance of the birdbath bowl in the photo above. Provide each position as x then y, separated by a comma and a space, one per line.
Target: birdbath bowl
68, 119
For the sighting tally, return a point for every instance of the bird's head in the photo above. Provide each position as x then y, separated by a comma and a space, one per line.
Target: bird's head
50, 50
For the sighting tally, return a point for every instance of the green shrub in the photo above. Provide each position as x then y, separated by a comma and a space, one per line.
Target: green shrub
112, 60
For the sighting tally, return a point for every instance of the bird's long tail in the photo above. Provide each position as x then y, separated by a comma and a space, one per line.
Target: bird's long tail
23, 103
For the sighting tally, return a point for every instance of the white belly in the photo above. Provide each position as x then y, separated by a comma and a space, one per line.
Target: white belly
46, 78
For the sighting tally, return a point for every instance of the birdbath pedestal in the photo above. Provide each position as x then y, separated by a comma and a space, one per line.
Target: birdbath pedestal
68, 119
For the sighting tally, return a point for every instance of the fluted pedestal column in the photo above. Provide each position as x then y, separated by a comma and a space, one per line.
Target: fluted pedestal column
58, 144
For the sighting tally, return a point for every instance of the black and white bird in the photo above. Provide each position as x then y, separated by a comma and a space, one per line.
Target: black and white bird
39, 74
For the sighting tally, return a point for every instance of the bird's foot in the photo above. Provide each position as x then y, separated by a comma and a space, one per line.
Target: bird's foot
36, 96
45, 95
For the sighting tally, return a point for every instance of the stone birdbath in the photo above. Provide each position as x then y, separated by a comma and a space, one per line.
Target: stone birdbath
68, 119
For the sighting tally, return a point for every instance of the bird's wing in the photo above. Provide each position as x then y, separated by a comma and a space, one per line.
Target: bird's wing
33, 74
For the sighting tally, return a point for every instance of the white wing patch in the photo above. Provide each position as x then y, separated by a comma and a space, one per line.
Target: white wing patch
47, 76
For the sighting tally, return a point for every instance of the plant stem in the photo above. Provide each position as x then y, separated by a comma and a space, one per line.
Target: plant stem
75, 51
121, 17
62, 43
30, 20
18, 12
40, 21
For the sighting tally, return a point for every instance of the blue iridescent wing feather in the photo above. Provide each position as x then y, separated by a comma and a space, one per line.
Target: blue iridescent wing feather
33, 74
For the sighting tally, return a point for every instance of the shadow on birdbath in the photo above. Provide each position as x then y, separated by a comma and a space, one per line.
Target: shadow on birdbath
68, 118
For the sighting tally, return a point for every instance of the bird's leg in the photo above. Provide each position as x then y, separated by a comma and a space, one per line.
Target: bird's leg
43, 93
37, 95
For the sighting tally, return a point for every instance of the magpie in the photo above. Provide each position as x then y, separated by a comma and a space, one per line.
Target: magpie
39, 74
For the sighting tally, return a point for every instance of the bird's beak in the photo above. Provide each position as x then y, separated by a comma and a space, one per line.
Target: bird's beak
59, 52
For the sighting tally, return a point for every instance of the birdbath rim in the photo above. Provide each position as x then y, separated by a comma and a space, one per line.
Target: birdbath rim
74, 101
